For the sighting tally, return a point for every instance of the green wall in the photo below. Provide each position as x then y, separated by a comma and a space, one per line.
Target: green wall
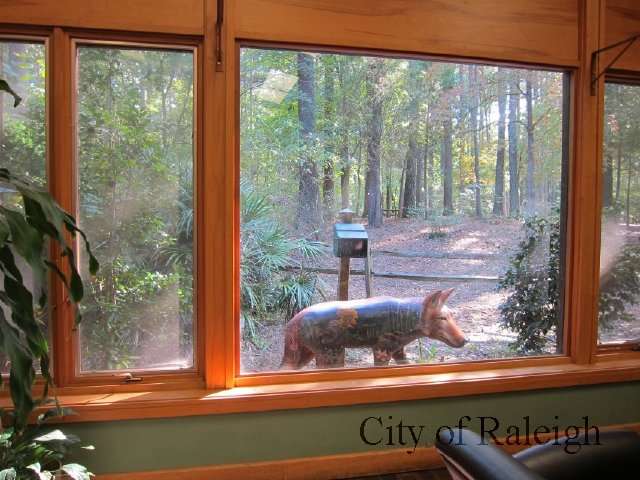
216, 439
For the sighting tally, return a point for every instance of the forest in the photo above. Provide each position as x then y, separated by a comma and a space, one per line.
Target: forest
135, 194
456, 170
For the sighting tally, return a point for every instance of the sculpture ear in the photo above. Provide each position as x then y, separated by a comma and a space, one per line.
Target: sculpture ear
433, 300
445, 295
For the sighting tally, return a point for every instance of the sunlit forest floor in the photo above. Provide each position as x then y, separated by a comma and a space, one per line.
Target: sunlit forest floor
475, 303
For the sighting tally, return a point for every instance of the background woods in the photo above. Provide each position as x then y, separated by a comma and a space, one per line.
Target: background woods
441, 161
450, 166
135, 170
420, 138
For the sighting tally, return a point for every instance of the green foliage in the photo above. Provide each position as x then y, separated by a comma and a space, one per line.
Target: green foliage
532, 308
135, 162
438, 225
27, 228
4, 87
24, 236
272, 273
39, 452
619, 287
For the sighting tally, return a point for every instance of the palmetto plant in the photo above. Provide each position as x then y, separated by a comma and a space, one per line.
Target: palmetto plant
26, 232
272, 273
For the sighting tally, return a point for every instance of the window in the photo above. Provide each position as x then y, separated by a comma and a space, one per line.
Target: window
135, 157
619, 317
166, 140
456, 172
22, 128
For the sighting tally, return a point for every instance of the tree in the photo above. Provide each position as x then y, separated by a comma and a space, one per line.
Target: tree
329, 122
374, 135
411, 159
308, 211
514, 177
530, 204
473, 123
498, 192
448, 79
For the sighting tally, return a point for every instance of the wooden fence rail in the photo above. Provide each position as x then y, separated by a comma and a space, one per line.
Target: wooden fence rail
430, 254
406, 276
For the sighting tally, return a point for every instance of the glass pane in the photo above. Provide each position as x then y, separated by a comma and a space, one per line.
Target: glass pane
23, 131
454, 172
135, 175
619, 312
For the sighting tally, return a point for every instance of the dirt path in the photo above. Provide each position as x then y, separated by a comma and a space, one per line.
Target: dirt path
475, 303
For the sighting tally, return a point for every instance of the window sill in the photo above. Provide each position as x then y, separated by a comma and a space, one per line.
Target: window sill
188, 402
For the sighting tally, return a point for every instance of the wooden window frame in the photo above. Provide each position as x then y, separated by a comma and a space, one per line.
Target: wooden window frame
216, 386
624, 348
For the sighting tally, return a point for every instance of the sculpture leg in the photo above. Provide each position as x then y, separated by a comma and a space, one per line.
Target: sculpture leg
305, 357
330, 358
381, 357
400, 357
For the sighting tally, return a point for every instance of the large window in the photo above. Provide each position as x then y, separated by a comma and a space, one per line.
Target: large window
23, 131
619, 313
209, 157
135, 162
456, 173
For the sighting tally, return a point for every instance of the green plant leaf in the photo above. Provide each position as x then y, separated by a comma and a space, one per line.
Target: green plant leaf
57, 436
8, 474
77, 471
4, 87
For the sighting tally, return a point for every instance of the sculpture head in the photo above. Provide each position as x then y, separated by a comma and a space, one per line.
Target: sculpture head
437, 320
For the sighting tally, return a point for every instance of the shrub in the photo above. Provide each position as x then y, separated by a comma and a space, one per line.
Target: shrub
532, 309
273, 278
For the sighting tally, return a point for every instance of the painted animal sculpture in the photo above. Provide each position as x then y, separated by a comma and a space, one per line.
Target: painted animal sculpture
385, 324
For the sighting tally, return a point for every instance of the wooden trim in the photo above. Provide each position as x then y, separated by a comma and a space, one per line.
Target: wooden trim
62, 163
217, 276
102, 405
328, 467
167, 16
285, 377
584, 206
400, 54
312, 468
531, 31
69, 374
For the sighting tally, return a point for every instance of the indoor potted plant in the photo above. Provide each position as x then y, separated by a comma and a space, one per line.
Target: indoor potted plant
27, 449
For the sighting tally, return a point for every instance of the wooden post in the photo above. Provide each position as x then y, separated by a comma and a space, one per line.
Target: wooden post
343, 279
346, 216
367, 273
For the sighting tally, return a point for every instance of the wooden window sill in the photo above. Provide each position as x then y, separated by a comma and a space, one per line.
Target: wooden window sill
124, 405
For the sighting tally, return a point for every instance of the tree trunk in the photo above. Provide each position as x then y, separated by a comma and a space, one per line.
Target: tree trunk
514, 178
420, 177
498, 192
308, 212
607, 186
374, 93
2, 48
618, 166
345, 171
627, 213
447, 164
427, 169
411, 160
530, 204
329, 144
473, 113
